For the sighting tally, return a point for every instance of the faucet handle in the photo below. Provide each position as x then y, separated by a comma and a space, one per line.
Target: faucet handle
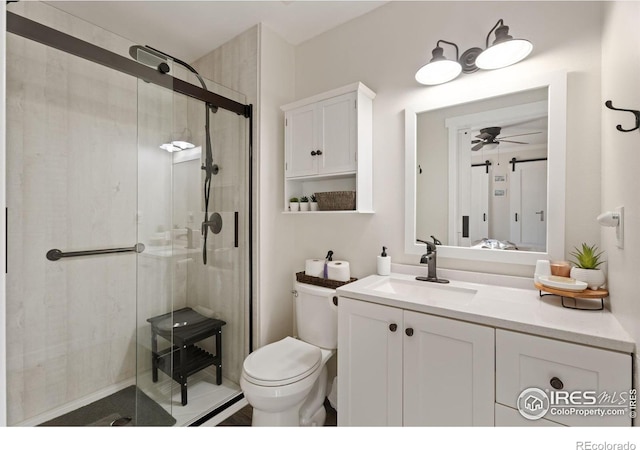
431, 246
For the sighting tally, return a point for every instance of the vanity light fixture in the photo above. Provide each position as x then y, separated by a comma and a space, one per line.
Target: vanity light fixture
503, 52
440, 69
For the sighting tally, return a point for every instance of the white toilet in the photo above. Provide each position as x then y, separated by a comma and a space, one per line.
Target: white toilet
286, 382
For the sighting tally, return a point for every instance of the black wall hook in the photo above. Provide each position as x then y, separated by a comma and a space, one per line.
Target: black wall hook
636, 113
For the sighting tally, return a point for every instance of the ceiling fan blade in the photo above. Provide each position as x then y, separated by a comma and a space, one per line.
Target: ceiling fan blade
485, 136
522, 134
512, 142
477, 146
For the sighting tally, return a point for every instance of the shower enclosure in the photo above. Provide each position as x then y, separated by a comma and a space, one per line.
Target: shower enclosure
113, 316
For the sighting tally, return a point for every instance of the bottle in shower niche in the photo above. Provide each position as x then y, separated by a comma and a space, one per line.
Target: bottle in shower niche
384, 263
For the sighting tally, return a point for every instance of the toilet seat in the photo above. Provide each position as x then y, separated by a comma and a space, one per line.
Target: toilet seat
281, 363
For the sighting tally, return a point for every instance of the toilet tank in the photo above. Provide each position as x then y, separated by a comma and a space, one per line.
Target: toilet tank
316, 315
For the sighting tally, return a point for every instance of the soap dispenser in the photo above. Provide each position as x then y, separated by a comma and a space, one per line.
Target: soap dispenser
384, 263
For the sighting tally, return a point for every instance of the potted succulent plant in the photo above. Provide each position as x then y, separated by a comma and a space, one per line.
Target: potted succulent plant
314, 203
293, 204
587, 260
304, 203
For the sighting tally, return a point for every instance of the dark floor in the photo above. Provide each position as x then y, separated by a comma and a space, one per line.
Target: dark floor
243, 417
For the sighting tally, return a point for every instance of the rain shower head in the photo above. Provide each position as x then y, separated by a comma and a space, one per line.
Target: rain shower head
149, 57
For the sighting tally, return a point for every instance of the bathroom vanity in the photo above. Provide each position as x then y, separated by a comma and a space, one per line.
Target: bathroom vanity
415, 353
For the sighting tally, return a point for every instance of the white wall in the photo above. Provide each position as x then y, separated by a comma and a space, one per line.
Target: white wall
274, 229
621, 158
384, 48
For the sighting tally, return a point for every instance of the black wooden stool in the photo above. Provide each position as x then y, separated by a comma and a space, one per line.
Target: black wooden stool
183, 328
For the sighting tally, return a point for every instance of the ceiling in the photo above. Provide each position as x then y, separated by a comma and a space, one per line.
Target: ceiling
191, 29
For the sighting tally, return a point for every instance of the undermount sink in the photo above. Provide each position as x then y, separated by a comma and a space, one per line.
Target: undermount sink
423, 290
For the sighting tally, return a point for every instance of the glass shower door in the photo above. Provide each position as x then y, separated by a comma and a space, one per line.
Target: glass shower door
191, 315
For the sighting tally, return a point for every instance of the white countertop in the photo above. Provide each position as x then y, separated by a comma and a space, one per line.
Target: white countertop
510, 303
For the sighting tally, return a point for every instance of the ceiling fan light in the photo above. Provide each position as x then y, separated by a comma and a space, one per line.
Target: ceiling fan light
438, 72
504, 54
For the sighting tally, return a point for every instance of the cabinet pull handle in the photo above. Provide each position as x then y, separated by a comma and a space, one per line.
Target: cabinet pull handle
319, 152
409, 331
393, 327
313, 153
556, 383
335, 300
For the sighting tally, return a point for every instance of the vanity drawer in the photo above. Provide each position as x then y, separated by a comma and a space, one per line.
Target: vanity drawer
524, 361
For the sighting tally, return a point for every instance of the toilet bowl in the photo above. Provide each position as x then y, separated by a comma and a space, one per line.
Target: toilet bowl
286, 382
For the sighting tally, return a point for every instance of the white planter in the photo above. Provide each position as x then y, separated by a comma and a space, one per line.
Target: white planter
294, 206
314, 206
593, 277
304, 206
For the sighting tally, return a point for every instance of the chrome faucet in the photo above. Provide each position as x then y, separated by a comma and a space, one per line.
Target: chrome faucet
430, 259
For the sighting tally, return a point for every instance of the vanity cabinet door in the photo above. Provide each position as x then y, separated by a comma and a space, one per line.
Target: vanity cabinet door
369, 364
448, 372
524, 361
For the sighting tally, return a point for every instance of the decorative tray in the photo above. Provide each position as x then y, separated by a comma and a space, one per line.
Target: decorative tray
562, 283
301, 277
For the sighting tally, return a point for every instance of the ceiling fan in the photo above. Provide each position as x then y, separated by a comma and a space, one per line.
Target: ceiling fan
490, 135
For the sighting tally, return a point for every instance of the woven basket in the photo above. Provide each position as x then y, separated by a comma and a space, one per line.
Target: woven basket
301, 277
336, 201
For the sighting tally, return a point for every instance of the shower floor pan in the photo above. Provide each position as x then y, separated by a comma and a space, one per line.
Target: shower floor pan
127, 407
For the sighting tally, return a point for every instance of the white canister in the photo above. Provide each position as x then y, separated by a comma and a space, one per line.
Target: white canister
543, 268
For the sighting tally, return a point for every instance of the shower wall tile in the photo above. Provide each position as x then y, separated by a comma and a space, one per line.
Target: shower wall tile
72, 185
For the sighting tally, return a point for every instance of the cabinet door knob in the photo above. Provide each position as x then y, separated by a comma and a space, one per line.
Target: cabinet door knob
313, 153
409, 331
335, 300
319, 152
556, 383
393, 327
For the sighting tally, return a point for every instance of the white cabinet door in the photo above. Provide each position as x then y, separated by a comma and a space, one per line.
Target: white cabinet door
337, 138
301, 142
509, 417
369, 364
448, 372
524, 361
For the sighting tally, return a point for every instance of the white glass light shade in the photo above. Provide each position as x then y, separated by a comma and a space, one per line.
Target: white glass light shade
438, 72
504, 54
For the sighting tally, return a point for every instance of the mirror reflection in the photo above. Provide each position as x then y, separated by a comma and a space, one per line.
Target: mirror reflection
481, 175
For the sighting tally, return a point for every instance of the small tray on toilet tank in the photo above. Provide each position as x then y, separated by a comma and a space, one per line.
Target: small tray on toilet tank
301, 277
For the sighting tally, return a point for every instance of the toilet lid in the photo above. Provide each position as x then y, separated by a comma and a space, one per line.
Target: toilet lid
283, 362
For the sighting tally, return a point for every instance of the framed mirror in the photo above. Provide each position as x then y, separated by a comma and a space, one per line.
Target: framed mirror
485, 171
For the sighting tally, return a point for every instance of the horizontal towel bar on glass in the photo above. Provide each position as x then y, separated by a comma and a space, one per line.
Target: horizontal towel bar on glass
54, 254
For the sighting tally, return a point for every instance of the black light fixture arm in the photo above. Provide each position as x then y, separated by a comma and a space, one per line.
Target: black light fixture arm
635, 112
450, 43
499, 23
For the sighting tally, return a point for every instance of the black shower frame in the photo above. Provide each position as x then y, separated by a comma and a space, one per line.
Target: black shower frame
50, 37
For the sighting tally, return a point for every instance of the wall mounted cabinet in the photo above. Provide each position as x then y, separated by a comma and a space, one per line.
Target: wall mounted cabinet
328, 145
